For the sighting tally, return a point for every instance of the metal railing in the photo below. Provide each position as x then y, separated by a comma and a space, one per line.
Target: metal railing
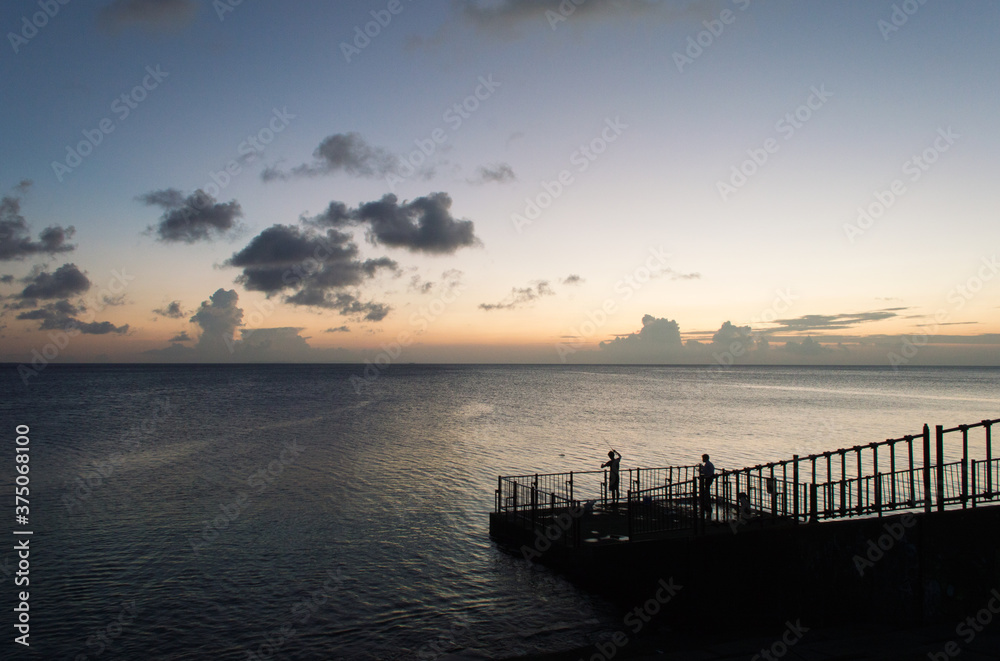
864, 480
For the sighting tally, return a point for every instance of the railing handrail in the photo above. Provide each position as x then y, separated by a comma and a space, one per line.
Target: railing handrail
920, 476
982, 423
595, 472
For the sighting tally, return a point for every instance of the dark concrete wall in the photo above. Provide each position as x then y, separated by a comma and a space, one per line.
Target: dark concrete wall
909, 569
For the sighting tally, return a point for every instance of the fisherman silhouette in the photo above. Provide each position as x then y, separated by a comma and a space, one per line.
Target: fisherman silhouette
707, 474
613, 479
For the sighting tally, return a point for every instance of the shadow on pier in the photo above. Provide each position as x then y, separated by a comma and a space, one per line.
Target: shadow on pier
901, 531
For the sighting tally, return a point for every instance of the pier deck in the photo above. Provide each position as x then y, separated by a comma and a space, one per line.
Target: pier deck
900, 530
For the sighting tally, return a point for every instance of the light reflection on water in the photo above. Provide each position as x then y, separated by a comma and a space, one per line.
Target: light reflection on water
388, 491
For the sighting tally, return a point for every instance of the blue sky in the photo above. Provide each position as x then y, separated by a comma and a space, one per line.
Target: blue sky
702, 167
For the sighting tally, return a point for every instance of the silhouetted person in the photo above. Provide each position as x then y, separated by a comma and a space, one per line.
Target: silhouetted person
707, 474
613, 479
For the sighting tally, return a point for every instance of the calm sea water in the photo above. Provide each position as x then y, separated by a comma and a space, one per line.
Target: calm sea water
219, 512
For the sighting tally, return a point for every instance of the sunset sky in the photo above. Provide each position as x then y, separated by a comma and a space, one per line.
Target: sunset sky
501, 181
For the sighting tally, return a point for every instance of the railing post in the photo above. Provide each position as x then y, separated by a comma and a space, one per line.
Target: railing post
843, 483
861, 495
696, 507
878, 493
795, 491
571, 486
892, 471
534, 502
973, 483
939, 434
774, 494
813, 504
913, 488
737, 497
965, 466
874, 447
499, 493
629, 515
927, 469
989, 458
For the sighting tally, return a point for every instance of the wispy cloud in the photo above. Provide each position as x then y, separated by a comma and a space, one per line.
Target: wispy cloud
150, 14
521, 296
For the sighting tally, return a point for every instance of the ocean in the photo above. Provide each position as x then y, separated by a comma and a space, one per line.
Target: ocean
290, 511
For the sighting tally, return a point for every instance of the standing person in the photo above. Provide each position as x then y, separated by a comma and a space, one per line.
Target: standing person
707, 475
613, 479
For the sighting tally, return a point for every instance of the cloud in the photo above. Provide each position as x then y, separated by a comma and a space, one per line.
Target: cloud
312, 265
218, 318
423, 225
172, 310
450, 280
270, 343
338, 329
6, 279
812, 322
572, 279
513, 137
674, 275
62, 315
67, 281
501, 15
807, 347
728, 334
346, 304
501, 173
198, 217
656, 337
341, 152
15, 237
418, 285
152, 14
520, 296
182, 337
